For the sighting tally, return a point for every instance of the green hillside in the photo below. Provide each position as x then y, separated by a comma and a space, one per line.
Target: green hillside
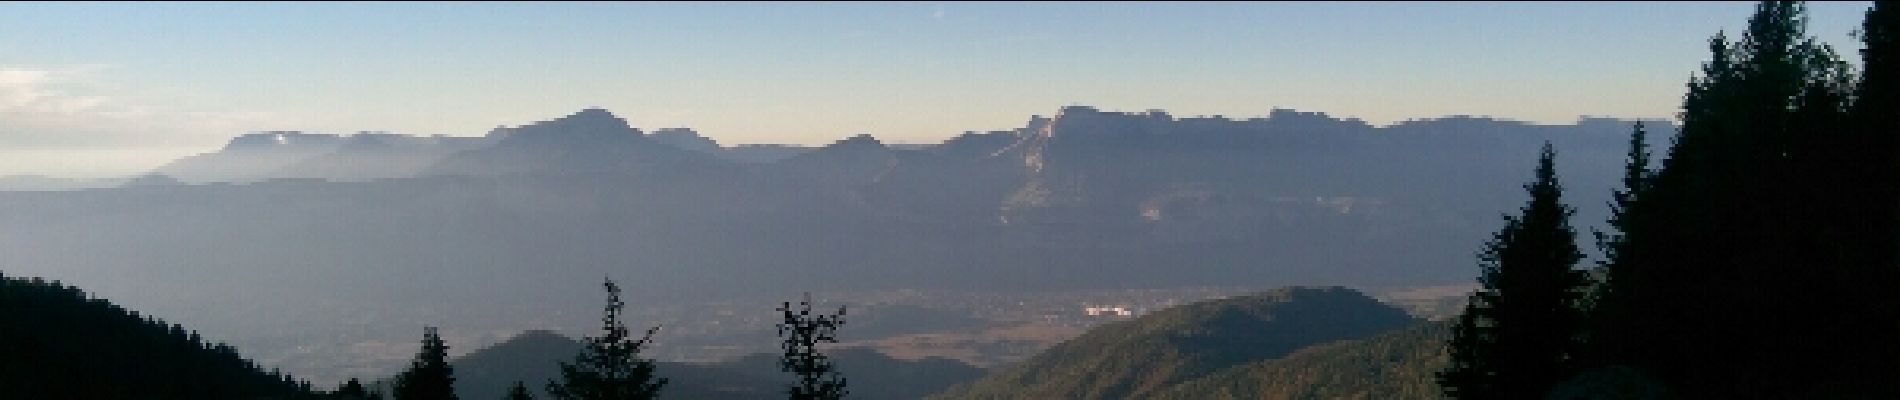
1392, 366
532, 356
1141, 357
56, 342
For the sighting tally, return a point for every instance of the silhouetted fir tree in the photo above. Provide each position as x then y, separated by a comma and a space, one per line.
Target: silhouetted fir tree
1517, 337
802, 330
1875, 102
610, 367
1744, 268
1636, 175
519, 392
352, 389
429, 377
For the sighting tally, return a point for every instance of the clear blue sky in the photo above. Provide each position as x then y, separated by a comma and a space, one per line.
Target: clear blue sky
186, 76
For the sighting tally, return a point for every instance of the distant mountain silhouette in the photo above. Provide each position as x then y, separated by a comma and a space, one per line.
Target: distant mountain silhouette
685, 138
1141, 357
592, 141
56, 342
366, 156
761, 153
152, 179
251, 157
531, 358
1084, 199
856, 160
24, 183
289, 154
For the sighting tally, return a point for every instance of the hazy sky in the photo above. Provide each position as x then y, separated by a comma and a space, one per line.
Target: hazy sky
164, 79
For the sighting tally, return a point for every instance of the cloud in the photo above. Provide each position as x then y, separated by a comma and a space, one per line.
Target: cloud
937, 13
33, 91
75, 106
72, 121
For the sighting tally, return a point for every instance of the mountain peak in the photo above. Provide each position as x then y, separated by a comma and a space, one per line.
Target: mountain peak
592, 116
592, 112
591, 125
859, 140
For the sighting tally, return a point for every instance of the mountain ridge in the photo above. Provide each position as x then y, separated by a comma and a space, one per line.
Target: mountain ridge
1138, 358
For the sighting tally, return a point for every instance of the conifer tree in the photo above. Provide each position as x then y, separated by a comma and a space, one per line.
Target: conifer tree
519, 392
1744, 266
1636, 175
1875, 102
1518, 335
610, 367
429, 377
352, 389
802, 330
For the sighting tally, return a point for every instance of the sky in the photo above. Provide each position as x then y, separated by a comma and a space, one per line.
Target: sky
98, 89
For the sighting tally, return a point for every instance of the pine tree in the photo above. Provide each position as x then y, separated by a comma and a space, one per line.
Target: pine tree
429, 377
1517, 338
352, 389
802, 330
1741, 266
1636, 176
519, 392
610, 367
1878, 278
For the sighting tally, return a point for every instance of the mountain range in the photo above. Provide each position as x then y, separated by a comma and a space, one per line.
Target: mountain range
280, 230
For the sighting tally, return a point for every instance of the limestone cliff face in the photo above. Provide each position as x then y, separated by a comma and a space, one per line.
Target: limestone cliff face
1088, 164
1085, 165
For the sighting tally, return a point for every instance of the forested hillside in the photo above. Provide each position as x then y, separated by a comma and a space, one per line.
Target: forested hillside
56, 342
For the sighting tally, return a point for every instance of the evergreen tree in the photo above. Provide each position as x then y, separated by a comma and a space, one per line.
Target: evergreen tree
610, 367
802, 330
1636, 175
1518, 336
1875, 102
59, 342
519, 392
352, 389
429, 377
1748, 264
